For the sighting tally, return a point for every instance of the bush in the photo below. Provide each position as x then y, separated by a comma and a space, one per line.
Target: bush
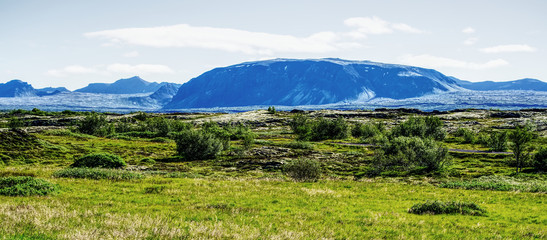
99, 160
467, 135
423, 127
192, 145
95, 124
303, 170
367, 130
15, 123
97, 174
147, 161
540, 159
438, 207
26, 186
497, 142
330, 129
301, 126
404, 154
271, 110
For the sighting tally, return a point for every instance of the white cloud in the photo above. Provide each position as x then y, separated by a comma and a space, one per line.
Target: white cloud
430, 61
468, 30
470, 41
508, 48
138, 69
131, 54
110, 69
72, 69
376, 25
227, 39
405, 28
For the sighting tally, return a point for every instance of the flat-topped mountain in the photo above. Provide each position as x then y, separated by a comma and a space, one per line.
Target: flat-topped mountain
293, 82
522, 84
123, 86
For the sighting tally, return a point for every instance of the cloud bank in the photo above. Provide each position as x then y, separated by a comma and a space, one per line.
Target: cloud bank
253, 43
508, 48
141, 69
430, 61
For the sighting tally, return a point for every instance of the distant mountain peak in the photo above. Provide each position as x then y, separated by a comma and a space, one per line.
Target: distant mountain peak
293, 82
123, 86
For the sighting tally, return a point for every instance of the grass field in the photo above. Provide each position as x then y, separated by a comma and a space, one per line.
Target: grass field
244, 194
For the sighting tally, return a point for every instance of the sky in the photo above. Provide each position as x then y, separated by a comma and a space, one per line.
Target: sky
72, 43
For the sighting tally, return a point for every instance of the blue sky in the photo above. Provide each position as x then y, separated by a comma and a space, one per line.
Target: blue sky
73, 43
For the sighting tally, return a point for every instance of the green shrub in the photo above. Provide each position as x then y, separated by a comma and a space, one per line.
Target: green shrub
147, 161
367, 130
423, 127
330, 129
301, 125
26, 186
499, 183
15, 123
97, 174
497, 142
467, 135
99, 160
452, 207
405, 154
540, 159
193, 145
271, 110
95, 124
303, 170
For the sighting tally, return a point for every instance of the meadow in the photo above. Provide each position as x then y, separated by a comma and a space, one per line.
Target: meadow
245, 190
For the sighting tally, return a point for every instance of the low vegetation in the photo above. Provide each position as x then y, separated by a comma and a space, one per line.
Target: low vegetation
452, 207
97, 174
26, 186
99, 160
276, 175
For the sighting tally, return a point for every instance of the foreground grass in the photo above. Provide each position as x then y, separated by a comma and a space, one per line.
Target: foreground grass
263, 209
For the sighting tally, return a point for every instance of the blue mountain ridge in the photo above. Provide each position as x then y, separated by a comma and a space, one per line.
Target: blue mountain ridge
123, 86
292, 82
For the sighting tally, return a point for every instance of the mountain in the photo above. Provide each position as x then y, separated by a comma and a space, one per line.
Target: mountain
50, 91
16, 88
292, 82
165, 94
522, 84
123, 86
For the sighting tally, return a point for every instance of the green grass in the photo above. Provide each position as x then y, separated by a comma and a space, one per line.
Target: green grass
265, 209
26, 186
97, 173
499, 183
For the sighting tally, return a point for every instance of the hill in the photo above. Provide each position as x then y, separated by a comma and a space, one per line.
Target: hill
293, 82
123, 86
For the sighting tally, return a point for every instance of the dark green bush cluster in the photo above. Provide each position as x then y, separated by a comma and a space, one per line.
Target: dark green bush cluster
95, 124
410, 154
97, 174
26, 186
540, 159
452, 207
499, 183
423, 127
271, 110
466, 135
99, 160
368, 130
320, 129
198, 144
497, 142
303, 170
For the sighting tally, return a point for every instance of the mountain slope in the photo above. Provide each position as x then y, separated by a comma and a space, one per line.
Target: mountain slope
123, 86
522, 84
16, 88
307, 82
